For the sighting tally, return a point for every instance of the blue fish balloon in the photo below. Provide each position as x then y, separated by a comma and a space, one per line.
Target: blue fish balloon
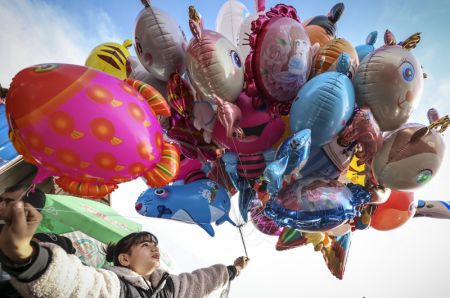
201, 202
290, 158
324, 104
296, 148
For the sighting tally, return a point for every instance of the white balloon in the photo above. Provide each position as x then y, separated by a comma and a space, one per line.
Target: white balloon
230, 18
244, 32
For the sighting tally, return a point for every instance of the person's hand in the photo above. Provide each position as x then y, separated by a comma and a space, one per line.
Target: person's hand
21, 222
240, 263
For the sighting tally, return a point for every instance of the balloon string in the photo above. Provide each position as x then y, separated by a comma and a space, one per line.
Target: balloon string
243, 241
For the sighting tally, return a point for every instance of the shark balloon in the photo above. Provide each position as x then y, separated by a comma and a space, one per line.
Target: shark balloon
200, 202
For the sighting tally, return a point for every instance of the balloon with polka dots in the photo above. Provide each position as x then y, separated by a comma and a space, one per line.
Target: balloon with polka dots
89, 129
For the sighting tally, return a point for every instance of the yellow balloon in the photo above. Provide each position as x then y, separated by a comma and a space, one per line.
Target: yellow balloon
111, 58
355, 173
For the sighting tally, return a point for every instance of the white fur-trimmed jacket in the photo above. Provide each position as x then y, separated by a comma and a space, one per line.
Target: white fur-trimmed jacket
53, 273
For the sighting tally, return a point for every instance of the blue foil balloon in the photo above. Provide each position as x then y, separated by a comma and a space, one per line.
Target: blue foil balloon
296, 148
200, 202
316, 205
324, 104
290, 158
7, 150
367, 48
328, 161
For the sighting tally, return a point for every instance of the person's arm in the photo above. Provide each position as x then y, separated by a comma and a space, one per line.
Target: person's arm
46, 270
203, 281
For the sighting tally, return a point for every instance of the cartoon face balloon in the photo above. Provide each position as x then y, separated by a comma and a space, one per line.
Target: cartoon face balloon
280, 60
404, 162
389, 81
260, 128
160, 43
111, 58
214, 65
53, 125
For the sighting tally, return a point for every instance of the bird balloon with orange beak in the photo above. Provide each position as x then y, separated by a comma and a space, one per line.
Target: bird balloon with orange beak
88, 128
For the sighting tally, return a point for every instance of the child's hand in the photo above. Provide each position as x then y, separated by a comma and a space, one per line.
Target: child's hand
21, 221
241, 262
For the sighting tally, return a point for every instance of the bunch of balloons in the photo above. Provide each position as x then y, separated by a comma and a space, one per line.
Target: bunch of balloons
311, 131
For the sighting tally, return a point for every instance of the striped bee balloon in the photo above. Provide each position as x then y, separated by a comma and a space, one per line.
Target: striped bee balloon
111, 58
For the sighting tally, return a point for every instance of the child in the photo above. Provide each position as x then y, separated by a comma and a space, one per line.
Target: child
45, 270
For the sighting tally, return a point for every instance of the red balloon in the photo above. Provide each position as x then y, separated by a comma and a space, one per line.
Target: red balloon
397, 210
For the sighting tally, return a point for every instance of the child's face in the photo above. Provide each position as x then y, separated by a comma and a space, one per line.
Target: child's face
144, 258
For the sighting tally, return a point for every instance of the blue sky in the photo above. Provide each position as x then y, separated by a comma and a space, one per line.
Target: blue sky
412, 261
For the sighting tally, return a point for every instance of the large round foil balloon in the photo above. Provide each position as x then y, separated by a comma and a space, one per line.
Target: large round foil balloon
324, 105
111, 58
395, 212
389, 81
322, 29
409, 159
280, 60
213, 63
316, 205
327, 56
160, 43
88, 128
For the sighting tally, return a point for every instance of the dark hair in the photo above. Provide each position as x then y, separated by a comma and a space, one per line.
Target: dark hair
62, 241
125, 244
35, 198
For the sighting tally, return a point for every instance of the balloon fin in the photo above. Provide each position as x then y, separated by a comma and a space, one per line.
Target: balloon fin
208, 228
225, 218
167, 169
246, 196
335, 255
290, 238
85, 189
156, 101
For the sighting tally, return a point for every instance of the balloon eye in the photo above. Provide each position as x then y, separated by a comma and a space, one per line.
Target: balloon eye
408, 71
424, 176
159, 191
45, 67
235, 58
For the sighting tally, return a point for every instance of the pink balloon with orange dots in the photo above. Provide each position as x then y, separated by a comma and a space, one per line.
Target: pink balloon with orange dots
88, 128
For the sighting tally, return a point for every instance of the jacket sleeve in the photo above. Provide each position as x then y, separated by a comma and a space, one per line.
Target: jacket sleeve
55, 274
201, 282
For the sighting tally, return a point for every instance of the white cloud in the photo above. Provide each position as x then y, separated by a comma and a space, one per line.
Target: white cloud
37, 32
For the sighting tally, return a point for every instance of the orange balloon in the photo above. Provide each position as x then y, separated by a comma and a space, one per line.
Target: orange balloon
397, 210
